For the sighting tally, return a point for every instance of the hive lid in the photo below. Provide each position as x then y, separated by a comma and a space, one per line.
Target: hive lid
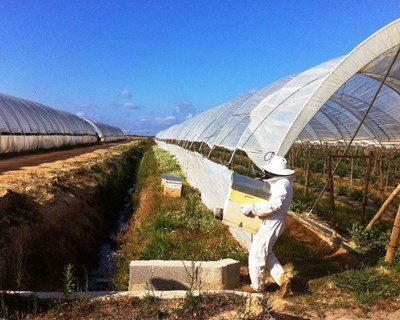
171, 177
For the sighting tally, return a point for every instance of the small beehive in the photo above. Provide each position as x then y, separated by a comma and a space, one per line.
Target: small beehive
172, 185
244, 190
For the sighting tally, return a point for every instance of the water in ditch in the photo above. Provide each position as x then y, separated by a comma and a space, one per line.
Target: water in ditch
100, 277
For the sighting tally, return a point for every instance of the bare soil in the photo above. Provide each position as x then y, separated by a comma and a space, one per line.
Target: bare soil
54, 211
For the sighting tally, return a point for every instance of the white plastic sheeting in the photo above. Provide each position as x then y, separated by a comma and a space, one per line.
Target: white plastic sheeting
27, 125
326, 103
20, 143
20, 116
211, 179
106, 132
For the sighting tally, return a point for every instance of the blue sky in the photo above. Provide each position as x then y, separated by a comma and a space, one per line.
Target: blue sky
150, 64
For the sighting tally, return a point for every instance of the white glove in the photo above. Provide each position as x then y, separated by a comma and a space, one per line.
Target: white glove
246, 209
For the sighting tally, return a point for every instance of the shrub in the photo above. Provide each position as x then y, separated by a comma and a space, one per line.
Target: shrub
356, 194
299, 205
374, 239
342, 190
316, 183
323, 210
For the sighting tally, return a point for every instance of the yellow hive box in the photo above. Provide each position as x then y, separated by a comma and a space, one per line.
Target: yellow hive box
172, 185
244, 190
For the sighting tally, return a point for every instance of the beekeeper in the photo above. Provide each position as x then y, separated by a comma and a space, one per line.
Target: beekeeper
272, 212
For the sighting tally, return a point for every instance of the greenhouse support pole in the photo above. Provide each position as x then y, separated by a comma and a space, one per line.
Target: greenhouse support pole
331, 194
375, 160
359, 125
388, 173
381, 174
307, 180
394, 238
384, 206
365, 194
292, 155
351, 172
209, 154
201, 145
231, 159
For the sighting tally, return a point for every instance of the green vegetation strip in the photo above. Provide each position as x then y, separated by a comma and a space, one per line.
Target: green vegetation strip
367, 285
164, 228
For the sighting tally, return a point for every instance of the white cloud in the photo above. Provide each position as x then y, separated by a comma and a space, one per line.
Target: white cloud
126, 93
132, 106
129, 105
81, 114
183, 106
166, 120
189, 116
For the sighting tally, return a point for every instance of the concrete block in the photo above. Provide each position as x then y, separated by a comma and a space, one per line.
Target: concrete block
164, 275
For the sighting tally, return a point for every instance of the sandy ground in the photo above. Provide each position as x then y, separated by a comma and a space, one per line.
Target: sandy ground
20, 173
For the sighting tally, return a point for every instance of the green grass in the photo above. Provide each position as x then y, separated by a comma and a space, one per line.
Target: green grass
175, 228
367, 286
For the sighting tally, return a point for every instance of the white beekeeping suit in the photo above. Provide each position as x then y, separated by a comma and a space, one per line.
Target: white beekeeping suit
272, 212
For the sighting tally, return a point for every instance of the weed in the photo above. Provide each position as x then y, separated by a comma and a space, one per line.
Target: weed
265, 305
85, 287
367, 285
69, 281
4, 308
151, 304
244, 310
194, 281
36, 308
20, 266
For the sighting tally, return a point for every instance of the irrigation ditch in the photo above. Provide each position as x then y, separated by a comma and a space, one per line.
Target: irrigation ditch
64, 215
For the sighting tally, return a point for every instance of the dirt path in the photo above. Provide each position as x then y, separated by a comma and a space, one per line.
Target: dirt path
35, 172
18, 162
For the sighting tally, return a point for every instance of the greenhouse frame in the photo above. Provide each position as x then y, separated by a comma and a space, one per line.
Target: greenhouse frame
353, 99
106, 132
26, 125
323, 104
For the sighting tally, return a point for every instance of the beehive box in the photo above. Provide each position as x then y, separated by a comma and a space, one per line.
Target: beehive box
172, 185
244, 190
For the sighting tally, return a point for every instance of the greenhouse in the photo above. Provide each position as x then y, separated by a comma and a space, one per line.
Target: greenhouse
350, 100
27, 125
326, 103
106, 132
